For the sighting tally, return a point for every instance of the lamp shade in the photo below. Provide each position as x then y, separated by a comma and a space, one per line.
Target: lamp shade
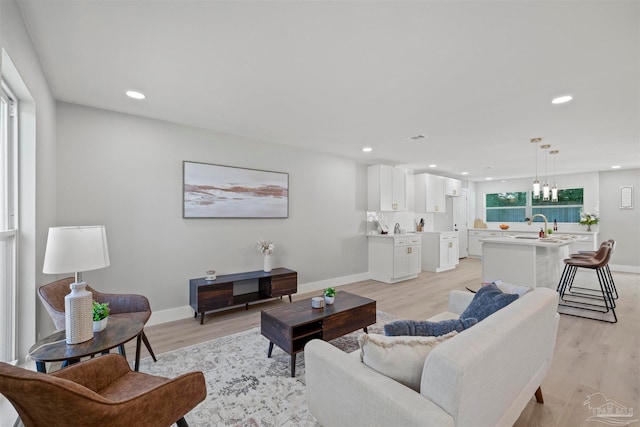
76, 249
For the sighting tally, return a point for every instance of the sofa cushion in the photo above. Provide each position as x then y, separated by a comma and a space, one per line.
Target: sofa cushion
508, 288
399, 358
426, 328
487, 301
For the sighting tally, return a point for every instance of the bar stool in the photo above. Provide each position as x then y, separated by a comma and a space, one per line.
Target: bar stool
586, 254
580, 300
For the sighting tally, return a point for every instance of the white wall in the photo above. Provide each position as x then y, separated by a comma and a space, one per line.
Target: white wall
622, 225
126, 172
36, 164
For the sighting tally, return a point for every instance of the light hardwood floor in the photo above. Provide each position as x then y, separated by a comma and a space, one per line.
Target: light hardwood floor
590, 356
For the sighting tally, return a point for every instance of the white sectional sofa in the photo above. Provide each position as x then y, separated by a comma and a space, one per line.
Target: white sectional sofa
482, 377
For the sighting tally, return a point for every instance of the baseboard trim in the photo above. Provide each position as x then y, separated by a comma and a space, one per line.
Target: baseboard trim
179, 313
624, 268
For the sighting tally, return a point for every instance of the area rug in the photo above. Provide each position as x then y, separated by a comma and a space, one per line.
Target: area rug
244, 386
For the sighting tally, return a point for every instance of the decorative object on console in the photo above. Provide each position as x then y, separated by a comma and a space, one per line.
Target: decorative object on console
77, 249
588, 220
329, 295
210, 275
266, 247
215, 191
100, 316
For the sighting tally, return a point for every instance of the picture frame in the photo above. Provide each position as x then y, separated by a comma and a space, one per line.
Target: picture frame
220, 191
626, 197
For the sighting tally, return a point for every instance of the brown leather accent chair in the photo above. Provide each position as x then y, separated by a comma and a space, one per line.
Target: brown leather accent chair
100, 392
120, 305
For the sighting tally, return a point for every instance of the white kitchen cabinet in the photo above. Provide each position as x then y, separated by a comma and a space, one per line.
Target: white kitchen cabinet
452, 187
440, 251
394, 258
475, 240
387, 189
429, 193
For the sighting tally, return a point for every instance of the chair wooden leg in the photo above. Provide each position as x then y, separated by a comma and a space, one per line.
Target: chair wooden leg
182, 423
146, 344
539, 398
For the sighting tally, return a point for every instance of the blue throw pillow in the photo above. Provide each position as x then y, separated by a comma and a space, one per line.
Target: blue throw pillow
487, 301
426, 328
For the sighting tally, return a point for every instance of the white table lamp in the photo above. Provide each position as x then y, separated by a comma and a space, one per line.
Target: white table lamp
77, 249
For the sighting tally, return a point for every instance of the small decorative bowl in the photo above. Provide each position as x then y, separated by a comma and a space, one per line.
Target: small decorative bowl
504, 227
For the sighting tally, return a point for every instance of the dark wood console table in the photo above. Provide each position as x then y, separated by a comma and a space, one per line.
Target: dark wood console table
242, 288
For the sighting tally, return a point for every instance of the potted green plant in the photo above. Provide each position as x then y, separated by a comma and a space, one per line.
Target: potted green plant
329, 295
100, 315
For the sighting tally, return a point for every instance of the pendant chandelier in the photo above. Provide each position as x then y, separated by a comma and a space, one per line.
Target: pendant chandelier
545, 187
554, 187
536, 183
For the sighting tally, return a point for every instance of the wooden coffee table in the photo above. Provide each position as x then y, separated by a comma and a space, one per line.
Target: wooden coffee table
293, 325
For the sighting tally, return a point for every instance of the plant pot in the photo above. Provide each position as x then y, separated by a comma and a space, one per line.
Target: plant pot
329, 300
100, 325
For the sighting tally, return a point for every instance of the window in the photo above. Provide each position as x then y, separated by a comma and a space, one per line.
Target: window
8, 223
566, 209
506, 207
516, 206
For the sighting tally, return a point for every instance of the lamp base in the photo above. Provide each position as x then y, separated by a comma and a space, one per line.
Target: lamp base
78, 314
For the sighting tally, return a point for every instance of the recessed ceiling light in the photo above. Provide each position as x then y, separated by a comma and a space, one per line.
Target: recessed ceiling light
488, 178
616, 167
562, 99
503, 180
135, 95
433, 166
464, 173
367, 149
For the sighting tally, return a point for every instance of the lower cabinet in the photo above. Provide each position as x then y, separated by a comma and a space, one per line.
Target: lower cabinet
440, 251
393, 259
475, 240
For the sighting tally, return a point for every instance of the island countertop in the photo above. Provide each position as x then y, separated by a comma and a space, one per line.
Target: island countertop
556, 240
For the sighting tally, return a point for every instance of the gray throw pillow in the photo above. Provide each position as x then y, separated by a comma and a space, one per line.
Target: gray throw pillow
487, 301
426, 328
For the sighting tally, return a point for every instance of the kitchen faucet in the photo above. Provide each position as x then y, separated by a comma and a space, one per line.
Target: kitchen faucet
546, 223
396, 229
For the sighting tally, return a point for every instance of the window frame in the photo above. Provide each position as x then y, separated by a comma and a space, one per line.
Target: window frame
9, 223
529, 206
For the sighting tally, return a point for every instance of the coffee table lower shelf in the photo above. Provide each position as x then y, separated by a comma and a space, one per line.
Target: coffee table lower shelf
291, 326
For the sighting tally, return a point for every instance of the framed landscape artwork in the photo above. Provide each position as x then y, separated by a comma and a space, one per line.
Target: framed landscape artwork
216, 191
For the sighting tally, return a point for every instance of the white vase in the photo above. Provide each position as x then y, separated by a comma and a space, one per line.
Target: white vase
78, 314
267, 263
329, 300
100, 325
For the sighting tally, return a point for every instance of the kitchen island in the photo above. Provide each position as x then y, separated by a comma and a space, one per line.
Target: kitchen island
525, 260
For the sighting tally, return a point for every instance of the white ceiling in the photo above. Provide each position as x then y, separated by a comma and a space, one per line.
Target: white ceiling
475, 77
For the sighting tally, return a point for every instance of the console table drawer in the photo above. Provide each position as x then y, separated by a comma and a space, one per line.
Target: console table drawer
214, 297
285, 284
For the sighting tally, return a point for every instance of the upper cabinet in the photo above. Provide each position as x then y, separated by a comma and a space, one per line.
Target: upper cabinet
452, 187
387, 189
430, 190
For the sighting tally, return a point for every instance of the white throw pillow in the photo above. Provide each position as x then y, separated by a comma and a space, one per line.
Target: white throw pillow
400, 358
508, 288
